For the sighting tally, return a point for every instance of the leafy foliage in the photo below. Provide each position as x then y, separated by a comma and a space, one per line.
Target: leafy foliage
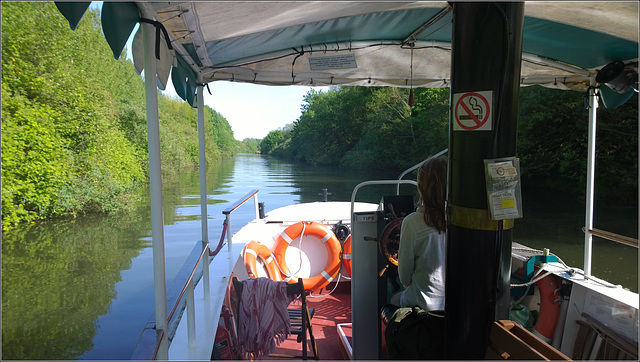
45, 277
249, 145
74, 120
375, 129
369, 128
552, 143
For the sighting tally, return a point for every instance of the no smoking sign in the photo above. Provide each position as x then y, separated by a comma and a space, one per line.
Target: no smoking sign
472, 111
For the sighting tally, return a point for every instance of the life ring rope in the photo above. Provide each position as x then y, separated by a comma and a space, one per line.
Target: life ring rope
331, 243
287, 274
346, 255
259, 250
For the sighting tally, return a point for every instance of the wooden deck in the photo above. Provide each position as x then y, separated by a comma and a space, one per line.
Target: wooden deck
330, 310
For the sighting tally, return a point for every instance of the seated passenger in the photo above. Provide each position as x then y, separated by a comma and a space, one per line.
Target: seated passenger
421, 254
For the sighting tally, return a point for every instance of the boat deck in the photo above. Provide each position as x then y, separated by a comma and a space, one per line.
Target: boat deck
330, 310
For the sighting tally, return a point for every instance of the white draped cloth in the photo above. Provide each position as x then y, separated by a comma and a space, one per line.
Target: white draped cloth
263, 320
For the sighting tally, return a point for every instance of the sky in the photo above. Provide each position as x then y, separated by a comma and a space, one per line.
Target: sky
253, 110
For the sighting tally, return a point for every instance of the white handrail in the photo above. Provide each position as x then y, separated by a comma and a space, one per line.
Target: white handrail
377, 182
228, 211
418, 165
188, 288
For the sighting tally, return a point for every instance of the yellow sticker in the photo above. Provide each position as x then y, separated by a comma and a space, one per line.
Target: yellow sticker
509, 203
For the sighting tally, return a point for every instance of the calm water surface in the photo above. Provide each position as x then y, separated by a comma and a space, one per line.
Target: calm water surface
83, 288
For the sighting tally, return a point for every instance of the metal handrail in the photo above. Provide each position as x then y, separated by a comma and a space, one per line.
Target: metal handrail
189, 286
418, 165
227, 212
613, 237
377, 182
189, 280
240, 201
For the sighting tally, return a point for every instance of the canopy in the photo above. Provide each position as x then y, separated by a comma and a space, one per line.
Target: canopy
319, 43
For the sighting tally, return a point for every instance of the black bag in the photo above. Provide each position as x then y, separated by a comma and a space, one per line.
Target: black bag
414, 333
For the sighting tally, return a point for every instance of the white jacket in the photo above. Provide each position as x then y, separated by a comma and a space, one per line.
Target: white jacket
421, 263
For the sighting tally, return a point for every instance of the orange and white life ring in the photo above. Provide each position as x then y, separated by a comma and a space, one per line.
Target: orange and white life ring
346, 255
251, 252
330, 242
549, 308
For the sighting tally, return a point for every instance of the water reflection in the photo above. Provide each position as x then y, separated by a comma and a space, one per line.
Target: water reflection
83, 288
58, 278
555, 222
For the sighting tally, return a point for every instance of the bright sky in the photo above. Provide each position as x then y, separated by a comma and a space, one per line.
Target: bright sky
254, 110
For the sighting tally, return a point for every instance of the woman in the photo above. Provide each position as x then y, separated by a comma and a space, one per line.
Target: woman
422, 254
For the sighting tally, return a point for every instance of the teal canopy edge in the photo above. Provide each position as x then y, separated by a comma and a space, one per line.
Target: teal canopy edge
73, 11
572, 45
184, 81
392, 25
118, 21
551, 40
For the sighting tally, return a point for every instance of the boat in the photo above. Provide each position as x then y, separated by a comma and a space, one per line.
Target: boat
569, 306
483, 52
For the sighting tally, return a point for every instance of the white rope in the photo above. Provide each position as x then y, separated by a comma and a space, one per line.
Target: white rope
332, 290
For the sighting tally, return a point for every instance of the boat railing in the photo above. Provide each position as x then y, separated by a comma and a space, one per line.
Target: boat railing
621, 239
180, 295
184, 284
378, 182
405, 172
229, 210
190, 305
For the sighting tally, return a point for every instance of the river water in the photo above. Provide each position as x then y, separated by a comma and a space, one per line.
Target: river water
83, 288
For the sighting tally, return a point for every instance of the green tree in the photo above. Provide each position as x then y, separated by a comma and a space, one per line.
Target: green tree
34, 159
370, 128
74, 124
273, 140
552, 143
331, 123
250, 145
52, 73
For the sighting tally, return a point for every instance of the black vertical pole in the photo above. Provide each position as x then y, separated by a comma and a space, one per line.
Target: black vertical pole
485, 72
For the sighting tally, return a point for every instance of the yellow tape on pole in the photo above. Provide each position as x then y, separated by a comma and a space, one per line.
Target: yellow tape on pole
476, 219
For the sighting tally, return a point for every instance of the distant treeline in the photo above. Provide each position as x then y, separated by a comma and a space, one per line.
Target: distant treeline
74, 132
374, 128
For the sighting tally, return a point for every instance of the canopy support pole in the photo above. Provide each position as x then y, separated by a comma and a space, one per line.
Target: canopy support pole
203, 188
155, 186
485, 75
591, 167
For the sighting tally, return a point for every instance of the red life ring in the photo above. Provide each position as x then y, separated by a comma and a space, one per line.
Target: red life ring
346, 255
549, 308
251, 252
330, 242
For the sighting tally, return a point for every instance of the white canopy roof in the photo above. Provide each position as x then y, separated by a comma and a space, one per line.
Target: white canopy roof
363, 42
370, 42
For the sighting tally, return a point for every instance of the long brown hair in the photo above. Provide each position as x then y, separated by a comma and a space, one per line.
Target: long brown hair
432, 187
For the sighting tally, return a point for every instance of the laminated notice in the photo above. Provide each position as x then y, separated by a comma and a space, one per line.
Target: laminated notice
503, 188
343, 61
